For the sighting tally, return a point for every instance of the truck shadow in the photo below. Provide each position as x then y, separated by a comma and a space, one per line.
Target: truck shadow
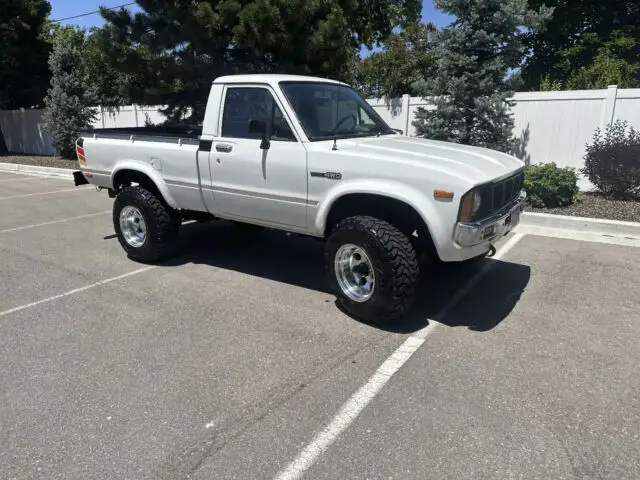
299, 261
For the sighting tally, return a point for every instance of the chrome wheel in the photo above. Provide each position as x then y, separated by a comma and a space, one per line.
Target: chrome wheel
133, 226
354, 272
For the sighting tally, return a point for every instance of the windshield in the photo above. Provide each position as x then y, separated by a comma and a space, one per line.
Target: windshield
329, 110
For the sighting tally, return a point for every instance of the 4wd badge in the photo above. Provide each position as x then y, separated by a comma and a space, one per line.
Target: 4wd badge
329, 175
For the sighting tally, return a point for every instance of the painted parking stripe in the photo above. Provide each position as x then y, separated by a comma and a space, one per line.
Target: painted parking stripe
76, 189
75, 290
26, 227
22, 179
365, 394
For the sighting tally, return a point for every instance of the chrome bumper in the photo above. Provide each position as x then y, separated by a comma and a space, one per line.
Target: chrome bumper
490, 228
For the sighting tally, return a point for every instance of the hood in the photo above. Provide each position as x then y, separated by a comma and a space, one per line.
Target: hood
475, 164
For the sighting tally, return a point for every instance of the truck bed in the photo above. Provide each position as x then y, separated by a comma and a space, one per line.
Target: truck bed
167, 155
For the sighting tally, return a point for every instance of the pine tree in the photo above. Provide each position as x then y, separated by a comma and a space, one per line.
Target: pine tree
475, 54
69, 100
173, 49
23, 53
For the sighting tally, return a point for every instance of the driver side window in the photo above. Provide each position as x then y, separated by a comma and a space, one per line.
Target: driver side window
242, 105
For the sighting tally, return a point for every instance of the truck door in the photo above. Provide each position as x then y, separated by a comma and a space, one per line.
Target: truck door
254, 183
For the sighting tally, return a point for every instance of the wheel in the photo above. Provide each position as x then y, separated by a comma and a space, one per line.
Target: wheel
146, 228
372, 269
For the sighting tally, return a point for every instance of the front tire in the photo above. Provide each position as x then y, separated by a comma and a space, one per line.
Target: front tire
146, 228
372, 269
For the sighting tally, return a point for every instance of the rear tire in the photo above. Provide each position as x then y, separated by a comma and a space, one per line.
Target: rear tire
384, 289
146, 227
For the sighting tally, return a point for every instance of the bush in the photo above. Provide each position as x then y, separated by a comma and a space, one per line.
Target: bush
612, 162
549, 186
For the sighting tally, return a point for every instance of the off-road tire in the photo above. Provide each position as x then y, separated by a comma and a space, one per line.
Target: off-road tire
162, 224
395, 264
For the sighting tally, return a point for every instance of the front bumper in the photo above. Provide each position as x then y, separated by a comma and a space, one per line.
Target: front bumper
490, 228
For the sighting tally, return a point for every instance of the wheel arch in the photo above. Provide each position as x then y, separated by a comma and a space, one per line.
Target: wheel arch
406, 213
145, 176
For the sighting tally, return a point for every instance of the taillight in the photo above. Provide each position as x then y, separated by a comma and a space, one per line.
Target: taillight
80, 151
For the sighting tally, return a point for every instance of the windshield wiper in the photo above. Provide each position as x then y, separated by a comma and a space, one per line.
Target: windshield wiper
381, 130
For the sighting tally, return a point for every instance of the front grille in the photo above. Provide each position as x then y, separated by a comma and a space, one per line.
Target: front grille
496, 196
506, 191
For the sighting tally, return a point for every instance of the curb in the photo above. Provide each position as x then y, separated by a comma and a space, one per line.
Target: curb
36, 170
582, 224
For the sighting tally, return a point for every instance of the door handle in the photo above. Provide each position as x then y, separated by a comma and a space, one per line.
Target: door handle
223, 147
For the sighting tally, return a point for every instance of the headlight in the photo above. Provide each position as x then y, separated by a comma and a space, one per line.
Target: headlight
471, 202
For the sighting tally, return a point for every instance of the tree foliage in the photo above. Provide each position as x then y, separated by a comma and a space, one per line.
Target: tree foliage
109, 85
71, 96
469, 93
173, 49
24, 74
407, 58
586, 44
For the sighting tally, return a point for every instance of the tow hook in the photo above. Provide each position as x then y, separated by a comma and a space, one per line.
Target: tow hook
492, 251
98, 188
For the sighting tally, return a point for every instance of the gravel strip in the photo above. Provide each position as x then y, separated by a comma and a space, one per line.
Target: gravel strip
38, 160
595, 205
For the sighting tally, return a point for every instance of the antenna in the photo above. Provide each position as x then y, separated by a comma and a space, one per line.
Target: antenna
335, 125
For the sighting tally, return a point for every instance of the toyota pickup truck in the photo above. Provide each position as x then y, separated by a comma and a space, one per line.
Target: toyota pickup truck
310, 156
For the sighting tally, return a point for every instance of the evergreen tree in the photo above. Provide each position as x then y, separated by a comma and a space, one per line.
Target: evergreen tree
24, 75
173, 49
469, 94
69, 100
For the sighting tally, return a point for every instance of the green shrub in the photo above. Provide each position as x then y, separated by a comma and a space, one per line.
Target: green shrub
612, 162
549, 186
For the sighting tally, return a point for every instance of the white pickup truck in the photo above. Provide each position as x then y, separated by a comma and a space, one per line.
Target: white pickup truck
310, 156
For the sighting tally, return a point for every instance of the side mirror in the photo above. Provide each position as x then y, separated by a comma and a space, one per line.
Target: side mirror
260, 127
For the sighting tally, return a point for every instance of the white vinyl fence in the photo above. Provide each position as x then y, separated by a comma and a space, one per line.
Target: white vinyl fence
24, 132
560, 124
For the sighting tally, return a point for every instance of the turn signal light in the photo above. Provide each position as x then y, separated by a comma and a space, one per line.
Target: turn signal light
443, 194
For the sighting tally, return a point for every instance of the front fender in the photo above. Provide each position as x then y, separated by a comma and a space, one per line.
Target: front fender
440, 227
150, 172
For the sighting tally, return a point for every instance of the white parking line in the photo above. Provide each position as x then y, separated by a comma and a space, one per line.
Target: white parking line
25, 227
365, 394
76, 189
75, 290
27, 179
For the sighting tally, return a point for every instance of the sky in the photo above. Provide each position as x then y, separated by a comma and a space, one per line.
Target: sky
68, 8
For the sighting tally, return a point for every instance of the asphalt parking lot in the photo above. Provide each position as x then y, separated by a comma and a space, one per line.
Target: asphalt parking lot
231, 361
